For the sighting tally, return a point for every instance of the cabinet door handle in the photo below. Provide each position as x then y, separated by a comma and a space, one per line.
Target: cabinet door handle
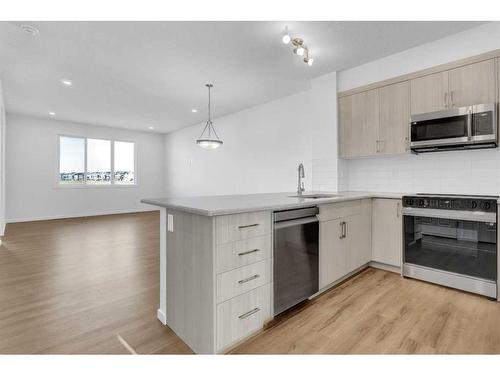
248, 252
248, 279
446, 100
345, 229
377, 146
247, 226
247, 314
397, 209
341, 225
451, 99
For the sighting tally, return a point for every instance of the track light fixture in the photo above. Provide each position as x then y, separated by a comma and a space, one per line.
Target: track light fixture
299, 48
286, 37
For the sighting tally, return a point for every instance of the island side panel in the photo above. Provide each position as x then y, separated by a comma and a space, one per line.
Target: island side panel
190, 287
162, 311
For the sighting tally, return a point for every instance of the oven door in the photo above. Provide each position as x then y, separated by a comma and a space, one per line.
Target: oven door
459, 250
450, 127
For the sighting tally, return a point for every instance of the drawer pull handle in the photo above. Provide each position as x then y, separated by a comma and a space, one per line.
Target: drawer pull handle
247, 314
247, 226
248, 279
248, 252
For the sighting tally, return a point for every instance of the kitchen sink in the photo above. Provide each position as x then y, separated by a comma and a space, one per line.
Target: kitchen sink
315, 196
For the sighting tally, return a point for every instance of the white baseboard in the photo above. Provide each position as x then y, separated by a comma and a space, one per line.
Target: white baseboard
385, 267
80, 214
161, 317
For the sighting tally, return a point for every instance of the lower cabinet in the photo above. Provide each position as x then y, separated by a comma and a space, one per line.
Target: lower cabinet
345, 241
387, 231
242, 315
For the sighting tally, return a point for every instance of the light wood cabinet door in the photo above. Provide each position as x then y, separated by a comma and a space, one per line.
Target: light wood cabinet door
472, 84
429, 93
365, 123
345, 126
358, 124
386, 231
358, 241
394, 118
359, 236
332, 252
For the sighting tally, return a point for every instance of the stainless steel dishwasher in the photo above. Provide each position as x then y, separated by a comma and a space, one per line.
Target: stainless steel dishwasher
296, 252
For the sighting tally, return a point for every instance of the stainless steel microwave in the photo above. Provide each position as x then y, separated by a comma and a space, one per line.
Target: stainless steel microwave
461, 128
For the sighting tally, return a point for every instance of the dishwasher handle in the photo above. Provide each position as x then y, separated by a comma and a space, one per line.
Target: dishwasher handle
295, 222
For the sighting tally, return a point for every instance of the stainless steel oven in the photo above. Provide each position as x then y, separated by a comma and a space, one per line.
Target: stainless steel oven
456, 128
452, 241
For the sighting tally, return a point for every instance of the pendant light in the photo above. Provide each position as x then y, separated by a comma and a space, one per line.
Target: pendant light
209, 139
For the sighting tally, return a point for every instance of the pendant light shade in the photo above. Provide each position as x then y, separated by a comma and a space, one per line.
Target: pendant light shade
209, 139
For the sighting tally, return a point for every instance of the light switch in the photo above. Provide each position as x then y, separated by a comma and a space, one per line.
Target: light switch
170, 222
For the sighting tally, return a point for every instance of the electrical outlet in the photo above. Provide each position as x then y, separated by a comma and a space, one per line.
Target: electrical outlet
170, 222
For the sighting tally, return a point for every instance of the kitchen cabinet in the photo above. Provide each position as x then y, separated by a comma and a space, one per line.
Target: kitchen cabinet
345, 242
375, 121
359, 118
463, 86
472, 84
346, 141
332, 252
359, 236
365, 120
429, 93
386, 231
394, 121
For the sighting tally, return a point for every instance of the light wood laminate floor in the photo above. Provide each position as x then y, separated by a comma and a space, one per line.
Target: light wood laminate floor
86, 285
91, 285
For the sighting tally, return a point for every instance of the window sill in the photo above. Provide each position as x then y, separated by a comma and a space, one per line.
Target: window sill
83, 186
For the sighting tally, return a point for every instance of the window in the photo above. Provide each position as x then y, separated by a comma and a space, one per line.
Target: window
71, 160
98, 161
89, 161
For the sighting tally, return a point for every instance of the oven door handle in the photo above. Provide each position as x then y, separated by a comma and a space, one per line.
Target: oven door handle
484, 217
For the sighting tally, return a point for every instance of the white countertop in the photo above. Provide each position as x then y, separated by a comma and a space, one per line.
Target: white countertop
232, 204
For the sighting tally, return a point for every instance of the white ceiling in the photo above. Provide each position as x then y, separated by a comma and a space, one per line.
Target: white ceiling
140, 74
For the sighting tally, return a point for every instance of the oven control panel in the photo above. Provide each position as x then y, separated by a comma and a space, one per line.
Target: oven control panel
461, 203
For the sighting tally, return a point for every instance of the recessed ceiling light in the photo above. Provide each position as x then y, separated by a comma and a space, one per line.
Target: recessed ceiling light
28, 29
151, 127
52, 113
66, 82
194, 110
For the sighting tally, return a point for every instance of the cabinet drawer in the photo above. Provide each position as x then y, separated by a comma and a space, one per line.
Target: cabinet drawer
233, 283
237, 227
342, 209
243, 315
241, 253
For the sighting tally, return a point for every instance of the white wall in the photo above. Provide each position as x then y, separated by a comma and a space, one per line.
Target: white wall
2, 162
31, 165
469, 172
262, 147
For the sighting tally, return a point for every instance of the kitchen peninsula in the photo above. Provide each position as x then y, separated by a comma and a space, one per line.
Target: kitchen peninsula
216, 257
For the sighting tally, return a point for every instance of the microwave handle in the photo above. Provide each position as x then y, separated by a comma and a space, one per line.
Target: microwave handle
469, 123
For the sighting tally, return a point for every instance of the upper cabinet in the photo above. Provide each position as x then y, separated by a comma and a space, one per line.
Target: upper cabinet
358, 117
394, 118
374, 121
429, 93
377, 121
467, 85
472, 84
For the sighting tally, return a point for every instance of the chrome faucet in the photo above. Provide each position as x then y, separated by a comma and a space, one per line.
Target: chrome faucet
300, 186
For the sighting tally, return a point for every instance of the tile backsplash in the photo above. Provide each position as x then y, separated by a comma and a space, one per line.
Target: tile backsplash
456, 172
